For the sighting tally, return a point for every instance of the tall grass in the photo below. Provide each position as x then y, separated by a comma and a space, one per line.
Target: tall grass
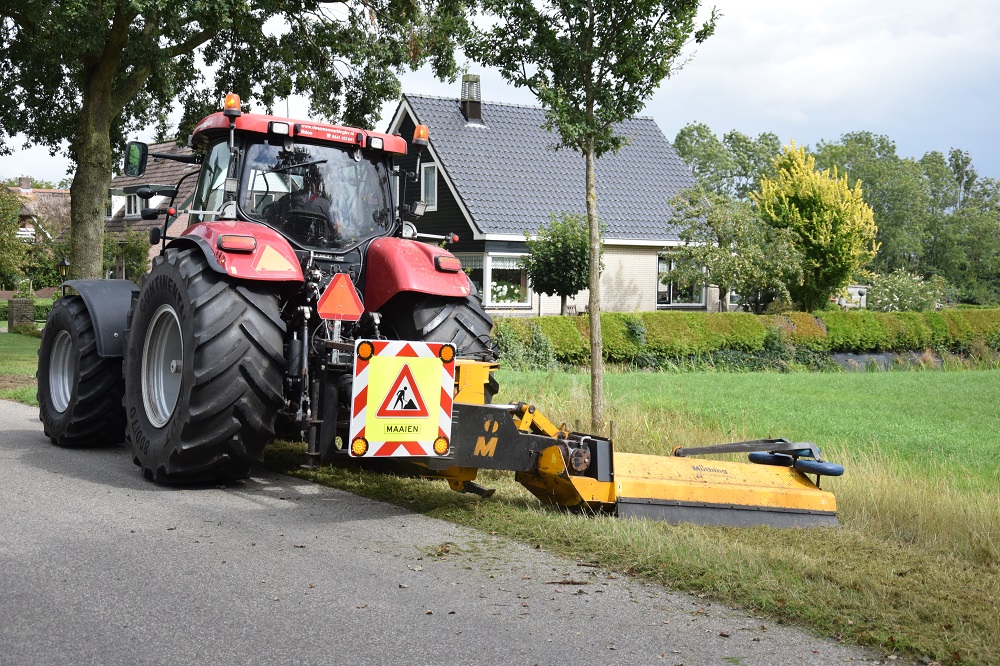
922, 460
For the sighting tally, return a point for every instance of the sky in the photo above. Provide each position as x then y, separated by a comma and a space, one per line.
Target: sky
926, 74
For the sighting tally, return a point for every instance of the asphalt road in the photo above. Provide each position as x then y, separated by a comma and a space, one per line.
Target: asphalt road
98, 566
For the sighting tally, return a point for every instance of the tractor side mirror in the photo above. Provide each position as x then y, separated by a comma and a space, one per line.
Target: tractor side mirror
135, 158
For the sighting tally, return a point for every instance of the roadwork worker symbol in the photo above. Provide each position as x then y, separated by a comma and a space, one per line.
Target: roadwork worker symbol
403, 398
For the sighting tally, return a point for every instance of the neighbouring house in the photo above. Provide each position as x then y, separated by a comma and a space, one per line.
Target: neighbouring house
124, 211
490, 175
43, 211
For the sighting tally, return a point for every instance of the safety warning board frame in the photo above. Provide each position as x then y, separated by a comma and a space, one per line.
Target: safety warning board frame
401, 401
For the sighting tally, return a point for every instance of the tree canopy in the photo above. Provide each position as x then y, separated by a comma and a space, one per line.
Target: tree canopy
558, 259
833, 229
89, 73
591, 64
732, 165
724, 242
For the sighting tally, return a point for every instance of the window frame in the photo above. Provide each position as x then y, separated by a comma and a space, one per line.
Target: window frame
132, 205
424, 168
472, 260
700, 292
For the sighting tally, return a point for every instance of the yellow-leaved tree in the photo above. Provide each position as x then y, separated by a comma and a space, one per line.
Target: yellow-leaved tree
830, 224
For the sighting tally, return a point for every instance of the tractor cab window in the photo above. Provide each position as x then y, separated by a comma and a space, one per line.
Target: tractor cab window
210, 192
319, 196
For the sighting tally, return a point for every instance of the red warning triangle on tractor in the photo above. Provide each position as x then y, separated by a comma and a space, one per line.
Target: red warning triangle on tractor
340, 300
404, 398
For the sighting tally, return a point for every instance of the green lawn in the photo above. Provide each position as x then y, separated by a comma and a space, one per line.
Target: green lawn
18, 361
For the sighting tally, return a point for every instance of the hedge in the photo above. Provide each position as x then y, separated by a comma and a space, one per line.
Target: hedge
639, 337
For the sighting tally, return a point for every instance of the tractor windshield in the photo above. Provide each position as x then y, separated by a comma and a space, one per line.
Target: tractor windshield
319, 196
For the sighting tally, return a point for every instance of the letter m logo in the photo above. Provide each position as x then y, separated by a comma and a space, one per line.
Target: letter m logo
484, 448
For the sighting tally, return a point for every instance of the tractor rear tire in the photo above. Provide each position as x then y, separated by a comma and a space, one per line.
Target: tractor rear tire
79, 392
203, 371
461, 321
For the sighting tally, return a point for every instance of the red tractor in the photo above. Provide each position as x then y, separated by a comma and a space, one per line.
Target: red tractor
246, 322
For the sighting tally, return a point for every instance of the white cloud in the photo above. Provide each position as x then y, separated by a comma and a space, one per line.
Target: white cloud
924, 73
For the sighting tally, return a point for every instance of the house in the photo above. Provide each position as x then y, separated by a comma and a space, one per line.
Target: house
43, 211
124, 211
490, 175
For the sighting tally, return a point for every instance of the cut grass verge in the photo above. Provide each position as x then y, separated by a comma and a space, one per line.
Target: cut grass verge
843, 583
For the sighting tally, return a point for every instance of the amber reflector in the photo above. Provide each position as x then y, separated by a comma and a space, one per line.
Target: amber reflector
237, 243
359, 446
441, 446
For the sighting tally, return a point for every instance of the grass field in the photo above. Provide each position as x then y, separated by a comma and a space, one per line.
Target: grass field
915, 570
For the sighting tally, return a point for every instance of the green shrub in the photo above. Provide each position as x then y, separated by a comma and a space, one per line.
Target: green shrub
523, 345
901, 291
856, 331
624, 337
742, 341
570, 344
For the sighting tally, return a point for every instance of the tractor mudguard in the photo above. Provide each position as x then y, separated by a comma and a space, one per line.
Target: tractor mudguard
108, 302
243, 250
396, 265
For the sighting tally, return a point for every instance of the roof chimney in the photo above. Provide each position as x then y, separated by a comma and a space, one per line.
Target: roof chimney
24, 183
472, 105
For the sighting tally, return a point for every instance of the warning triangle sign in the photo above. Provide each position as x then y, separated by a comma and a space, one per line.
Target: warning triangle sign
340, 300
403, 399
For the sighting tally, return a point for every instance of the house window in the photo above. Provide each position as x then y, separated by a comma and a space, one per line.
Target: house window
131, 205
672, 293
429, 185
499, 279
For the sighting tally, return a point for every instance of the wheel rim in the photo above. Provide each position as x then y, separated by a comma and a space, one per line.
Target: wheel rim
162, 360
61, 371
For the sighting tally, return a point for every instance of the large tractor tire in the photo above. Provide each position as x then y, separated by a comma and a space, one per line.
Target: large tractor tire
203, 371
460, 321
79, 392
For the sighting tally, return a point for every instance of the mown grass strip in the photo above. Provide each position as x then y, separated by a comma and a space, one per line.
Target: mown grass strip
840, 583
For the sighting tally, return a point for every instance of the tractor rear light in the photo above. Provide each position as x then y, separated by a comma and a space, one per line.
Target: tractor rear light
421, 135
275, 127
447, 263
366, 350
232, 107
359, 446
441, 446
237, 243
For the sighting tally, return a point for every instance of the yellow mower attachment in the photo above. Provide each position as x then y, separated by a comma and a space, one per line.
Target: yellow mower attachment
584, 472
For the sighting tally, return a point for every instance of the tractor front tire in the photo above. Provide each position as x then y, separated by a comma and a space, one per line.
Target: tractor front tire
203, 371
79, 392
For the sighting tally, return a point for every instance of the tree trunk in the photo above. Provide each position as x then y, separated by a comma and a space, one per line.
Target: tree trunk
89, 193
562, 304
91, 148
596, 344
